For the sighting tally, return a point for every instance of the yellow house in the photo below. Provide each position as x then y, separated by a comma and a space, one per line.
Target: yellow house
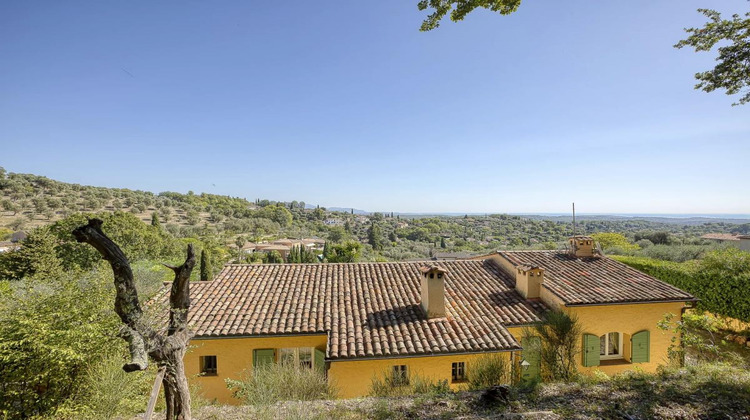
360, 320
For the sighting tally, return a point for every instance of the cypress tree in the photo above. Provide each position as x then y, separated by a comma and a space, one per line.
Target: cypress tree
442, 242
205, 267
155, 220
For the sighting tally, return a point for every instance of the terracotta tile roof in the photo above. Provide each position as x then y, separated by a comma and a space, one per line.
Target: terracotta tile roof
367, 309
597, 280
721, 237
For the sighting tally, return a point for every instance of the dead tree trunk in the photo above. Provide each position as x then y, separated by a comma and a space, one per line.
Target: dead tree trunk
167, 350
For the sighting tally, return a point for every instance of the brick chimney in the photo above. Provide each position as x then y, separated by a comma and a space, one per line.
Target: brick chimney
529, 279
433, 291
582, 246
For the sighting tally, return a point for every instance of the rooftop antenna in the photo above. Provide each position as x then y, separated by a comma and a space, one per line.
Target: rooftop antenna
574, 219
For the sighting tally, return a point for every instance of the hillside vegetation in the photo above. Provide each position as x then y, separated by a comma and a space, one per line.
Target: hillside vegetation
29, 201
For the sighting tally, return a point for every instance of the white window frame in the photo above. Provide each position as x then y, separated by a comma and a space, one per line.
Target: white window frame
606, 347
295, 351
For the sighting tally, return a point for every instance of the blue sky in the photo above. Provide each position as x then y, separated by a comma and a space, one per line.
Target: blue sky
347, 104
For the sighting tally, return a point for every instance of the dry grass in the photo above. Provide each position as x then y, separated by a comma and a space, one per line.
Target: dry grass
708, 391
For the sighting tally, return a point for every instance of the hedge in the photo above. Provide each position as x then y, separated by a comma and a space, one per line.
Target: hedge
721, 280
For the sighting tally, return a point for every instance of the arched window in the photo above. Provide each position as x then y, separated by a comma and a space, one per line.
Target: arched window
610, 346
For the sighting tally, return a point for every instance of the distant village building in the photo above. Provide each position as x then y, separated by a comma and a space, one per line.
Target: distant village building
283, 246
740, 241
8, 246
333, 222
14, 243
744, 242
721, 237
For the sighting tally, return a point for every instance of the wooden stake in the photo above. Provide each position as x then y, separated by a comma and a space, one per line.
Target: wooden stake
154, 394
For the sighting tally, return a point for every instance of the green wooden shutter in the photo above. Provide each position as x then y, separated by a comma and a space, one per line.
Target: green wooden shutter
320, 360
590, 350
263, 357
639, 345
532, 354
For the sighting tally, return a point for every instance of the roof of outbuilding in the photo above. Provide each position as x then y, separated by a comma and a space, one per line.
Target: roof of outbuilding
367, 309
721, 237
595, 280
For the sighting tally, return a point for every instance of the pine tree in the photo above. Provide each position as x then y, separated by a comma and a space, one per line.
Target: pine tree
374, 236
205, 267
155, 220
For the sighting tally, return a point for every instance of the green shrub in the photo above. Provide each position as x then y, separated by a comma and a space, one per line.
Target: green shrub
486, 371
105, 391
560, 334
50, 331
720, 280
280, 382
384, 385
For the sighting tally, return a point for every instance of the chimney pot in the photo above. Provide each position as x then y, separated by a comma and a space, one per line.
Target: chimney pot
433, 291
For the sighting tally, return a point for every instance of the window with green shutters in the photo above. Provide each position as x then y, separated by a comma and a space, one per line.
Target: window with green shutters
639, 345
263, 357
591, 348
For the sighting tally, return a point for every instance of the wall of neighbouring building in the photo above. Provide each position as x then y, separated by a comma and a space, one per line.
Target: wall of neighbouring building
353, 378
233, 357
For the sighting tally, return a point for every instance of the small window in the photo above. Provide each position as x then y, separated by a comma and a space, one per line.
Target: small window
208, 365
305, 357
610, 346
458, 372
400, 375
297, 356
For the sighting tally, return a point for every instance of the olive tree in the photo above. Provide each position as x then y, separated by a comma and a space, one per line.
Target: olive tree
165, 348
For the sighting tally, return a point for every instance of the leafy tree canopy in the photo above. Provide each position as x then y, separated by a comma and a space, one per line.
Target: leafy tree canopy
732, 71
458, 9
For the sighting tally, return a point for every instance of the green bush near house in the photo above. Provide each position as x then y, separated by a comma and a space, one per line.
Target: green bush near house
486, 371
720, 280
270, 383
384, 385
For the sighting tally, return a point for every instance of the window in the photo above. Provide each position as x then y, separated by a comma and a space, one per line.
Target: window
458, 372
610, 346
305, 357
299, 356
208, 365
400, 375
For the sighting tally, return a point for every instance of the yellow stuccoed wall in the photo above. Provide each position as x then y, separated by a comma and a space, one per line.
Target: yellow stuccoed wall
353, 378
627, 320
233, 357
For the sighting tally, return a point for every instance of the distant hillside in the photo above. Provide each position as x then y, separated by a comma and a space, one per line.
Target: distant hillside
675, 220
28, 201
